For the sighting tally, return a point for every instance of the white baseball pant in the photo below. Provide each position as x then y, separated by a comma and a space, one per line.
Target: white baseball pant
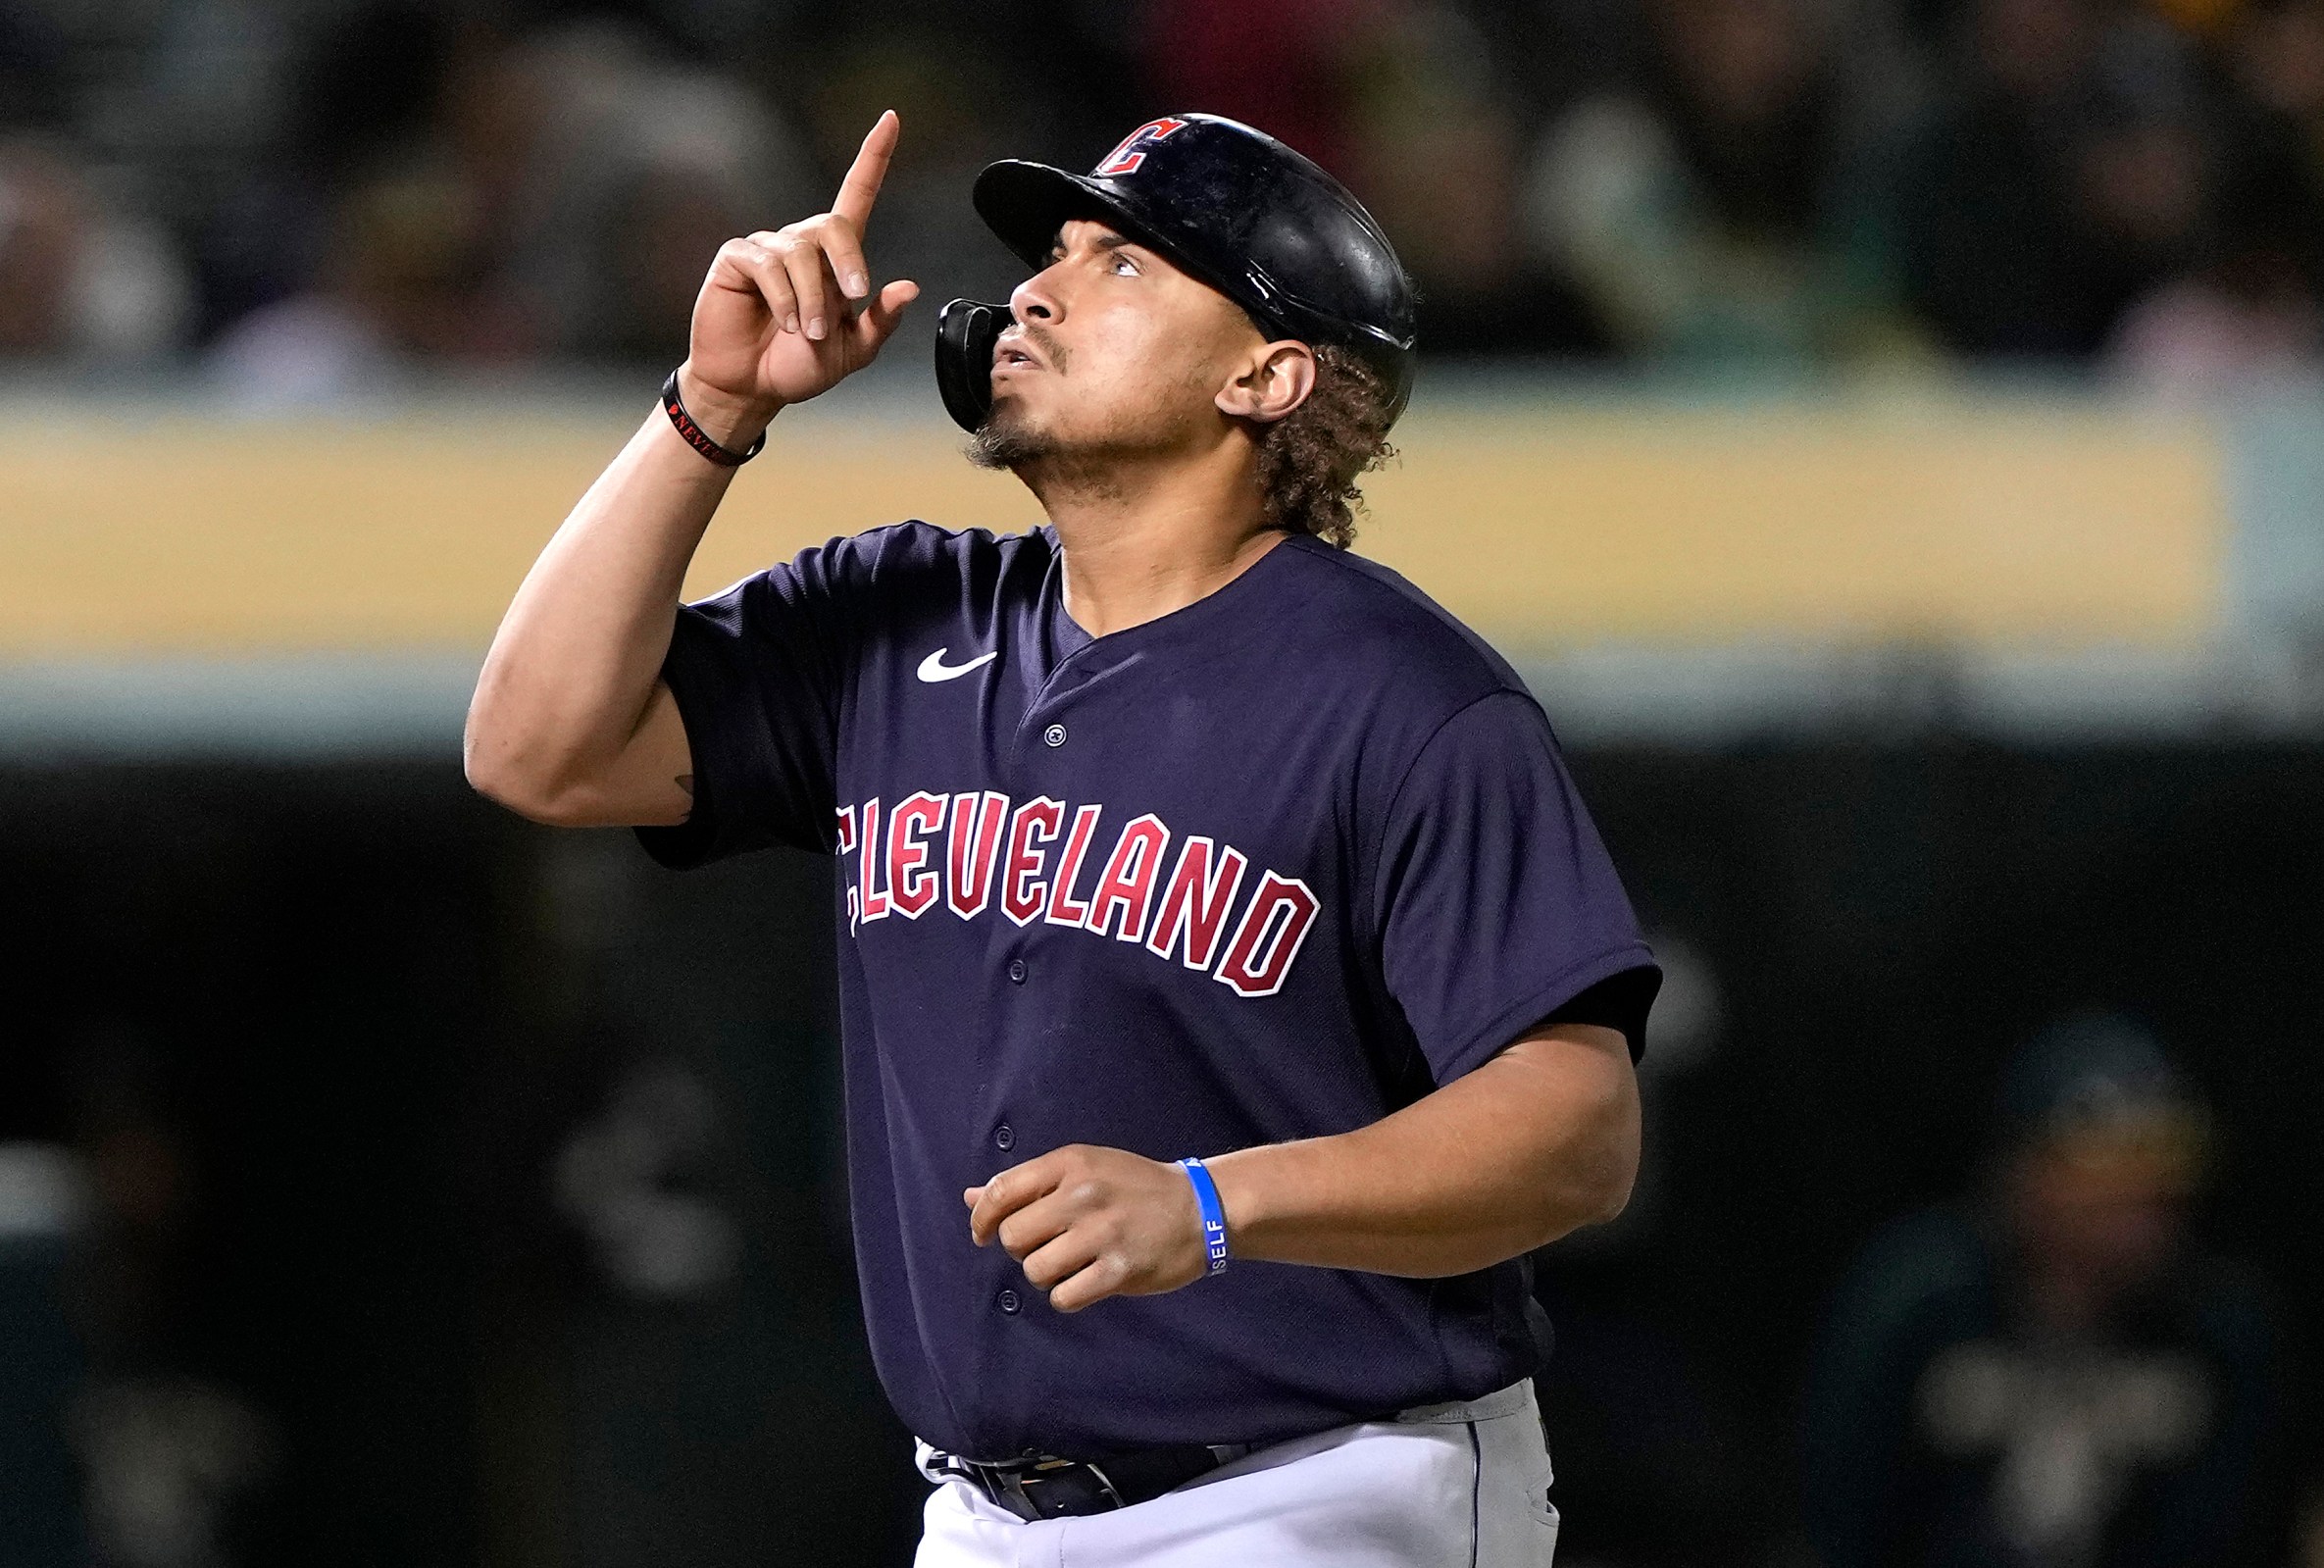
1459, 1484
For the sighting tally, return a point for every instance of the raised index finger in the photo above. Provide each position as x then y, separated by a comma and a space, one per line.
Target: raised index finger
861, 187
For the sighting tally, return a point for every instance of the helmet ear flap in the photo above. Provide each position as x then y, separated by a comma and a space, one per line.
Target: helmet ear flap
965, 332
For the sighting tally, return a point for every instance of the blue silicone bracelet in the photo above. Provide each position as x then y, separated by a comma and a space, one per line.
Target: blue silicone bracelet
1214, 1213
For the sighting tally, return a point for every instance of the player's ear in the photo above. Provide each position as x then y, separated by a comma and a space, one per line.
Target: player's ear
1276, 379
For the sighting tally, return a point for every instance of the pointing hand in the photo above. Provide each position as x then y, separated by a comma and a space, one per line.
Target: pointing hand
787, 314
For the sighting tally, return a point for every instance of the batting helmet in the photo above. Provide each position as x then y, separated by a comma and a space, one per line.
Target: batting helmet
1227, 204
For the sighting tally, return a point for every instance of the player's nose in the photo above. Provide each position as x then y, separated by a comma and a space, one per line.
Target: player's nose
1037, 298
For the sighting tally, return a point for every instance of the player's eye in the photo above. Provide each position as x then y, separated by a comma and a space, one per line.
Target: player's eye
1120, 260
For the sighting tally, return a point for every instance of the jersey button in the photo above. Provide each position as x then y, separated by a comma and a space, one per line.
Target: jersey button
1008, 1301
1054, 735
1005, 1137
1017, 970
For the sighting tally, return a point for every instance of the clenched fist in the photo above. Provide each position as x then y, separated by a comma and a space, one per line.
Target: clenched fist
1090, 1222
787, 314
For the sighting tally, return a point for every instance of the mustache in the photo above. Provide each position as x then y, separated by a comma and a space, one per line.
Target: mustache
1039, 335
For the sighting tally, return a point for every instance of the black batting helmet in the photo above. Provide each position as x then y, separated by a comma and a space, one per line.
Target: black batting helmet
1229, 205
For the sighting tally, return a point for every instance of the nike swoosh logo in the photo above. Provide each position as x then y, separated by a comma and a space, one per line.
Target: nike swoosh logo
933, 666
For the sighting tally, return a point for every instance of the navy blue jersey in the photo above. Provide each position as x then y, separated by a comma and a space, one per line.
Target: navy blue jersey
1270, 867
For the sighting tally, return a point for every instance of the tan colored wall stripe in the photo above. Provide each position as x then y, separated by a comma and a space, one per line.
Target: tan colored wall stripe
1544, 525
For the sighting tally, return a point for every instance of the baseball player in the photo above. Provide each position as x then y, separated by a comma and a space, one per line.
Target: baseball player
1233, 988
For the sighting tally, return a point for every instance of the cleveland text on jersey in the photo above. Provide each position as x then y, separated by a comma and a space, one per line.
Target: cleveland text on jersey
992, 853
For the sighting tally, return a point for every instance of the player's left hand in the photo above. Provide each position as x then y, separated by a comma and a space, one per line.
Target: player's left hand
1090, 1222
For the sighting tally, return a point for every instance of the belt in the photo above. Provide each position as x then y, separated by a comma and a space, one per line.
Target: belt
1047, 1487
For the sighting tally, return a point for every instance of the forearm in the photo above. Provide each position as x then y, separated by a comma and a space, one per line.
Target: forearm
571, 723
573, 666
1540, 1141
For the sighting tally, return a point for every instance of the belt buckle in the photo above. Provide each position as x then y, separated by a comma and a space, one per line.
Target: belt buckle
1027, 1480
1001, 1484
1013, 1485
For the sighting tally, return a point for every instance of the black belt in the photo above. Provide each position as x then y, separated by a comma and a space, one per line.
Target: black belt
1047, 1487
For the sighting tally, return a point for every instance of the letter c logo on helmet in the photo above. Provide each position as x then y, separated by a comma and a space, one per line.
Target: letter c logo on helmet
1122, 161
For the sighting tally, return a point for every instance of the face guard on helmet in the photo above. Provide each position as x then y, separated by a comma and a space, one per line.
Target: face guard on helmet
1224, 203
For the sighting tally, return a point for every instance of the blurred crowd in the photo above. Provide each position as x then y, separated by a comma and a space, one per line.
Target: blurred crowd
317, 197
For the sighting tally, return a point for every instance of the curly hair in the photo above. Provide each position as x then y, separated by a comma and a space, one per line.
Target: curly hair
1309, 459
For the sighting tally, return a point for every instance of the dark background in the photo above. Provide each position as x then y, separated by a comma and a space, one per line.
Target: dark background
320, 1033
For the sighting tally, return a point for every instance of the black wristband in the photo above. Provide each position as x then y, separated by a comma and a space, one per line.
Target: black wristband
699, 439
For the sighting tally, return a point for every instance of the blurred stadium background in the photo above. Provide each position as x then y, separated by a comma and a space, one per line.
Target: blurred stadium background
1886, 432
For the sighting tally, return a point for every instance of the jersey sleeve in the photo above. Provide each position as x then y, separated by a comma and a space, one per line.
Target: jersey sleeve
759, 672
1497, 905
